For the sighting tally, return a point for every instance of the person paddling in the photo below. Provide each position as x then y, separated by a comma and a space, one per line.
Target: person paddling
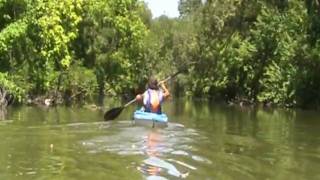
154, 96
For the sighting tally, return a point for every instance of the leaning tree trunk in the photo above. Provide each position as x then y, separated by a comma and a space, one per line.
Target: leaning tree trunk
3, 101
5, 98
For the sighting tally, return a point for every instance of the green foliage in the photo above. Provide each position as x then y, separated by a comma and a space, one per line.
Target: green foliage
189, 7
7, 83
260, 51
282, 30
256, 50
145, 14
36, 45
79, 80
55, 25
213, 39
112, 32
10, 33
11, 10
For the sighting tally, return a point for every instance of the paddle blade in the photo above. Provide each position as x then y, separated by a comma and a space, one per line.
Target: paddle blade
113, 113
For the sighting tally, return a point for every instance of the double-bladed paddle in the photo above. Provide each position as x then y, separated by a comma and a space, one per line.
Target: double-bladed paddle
115, 112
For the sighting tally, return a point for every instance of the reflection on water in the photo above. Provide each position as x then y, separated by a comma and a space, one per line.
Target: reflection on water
155, 146
203, 141
3, 113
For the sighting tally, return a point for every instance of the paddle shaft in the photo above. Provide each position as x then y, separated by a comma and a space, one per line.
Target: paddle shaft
170, 77
130, 102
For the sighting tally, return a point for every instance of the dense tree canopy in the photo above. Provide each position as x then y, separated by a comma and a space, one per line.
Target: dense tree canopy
260, 51
253, 51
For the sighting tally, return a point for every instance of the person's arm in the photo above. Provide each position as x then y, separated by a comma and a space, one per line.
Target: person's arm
166, 92
140, 98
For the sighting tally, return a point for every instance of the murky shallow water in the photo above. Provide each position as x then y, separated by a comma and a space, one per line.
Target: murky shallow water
202, 141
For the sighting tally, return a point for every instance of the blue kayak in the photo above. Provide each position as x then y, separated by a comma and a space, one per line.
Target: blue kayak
150, 119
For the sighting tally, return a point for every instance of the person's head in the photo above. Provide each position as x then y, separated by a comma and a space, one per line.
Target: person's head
153, 83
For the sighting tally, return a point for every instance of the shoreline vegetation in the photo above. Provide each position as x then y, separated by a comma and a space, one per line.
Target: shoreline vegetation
246, 53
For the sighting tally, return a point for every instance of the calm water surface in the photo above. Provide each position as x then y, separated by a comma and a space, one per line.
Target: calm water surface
202, 141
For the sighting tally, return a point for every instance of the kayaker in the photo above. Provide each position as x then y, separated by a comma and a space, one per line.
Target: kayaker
154, 96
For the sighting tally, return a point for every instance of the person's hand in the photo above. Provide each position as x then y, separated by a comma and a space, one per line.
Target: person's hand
161, 83
139, 97
163, 86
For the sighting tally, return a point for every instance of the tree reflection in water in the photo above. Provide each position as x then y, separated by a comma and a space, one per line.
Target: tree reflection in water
3, 113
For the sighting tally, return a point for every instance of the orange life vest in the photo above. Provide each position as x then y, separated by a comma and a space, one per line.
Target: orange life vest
153, 102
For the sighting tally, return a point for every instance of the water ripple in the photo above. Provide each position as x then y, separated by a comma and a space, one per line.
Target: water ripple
161, 148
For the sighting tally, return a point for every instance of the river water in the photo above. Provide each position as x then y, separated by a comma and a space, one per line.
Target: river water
202, 141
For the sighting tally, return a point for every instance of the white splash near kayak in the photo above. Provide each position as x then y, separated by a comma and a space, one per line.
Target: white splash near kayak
141, 117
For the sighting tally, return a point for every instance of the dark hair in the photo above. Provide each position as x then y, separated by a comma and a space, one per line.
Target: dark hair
153, 83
